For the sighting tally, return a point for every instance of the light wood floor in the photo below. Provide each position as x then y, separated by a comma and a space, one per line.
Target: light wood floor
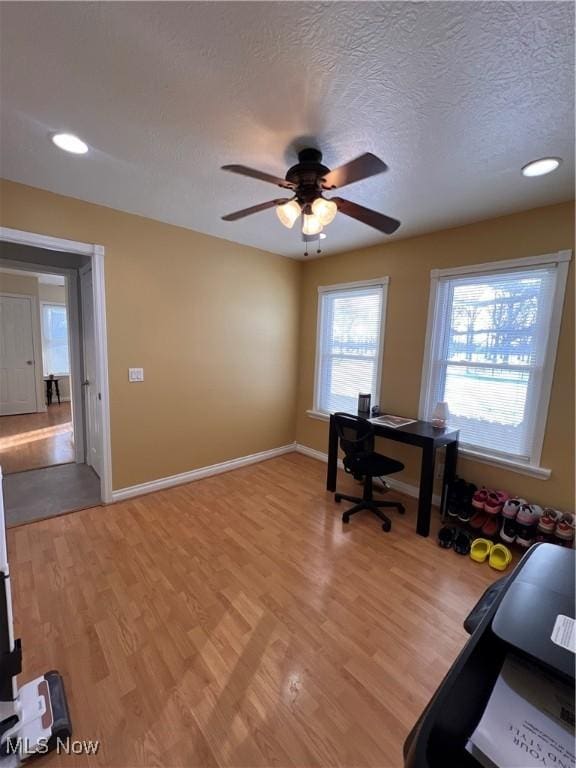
236, 621
35, 440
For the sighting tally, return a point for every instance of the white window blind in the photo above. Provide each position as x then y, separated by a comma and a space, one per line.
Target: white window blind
489, 350
349, 345
54, 339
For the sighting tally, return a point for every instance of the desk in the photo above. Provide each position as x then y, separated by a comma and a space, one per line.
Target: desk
425, 436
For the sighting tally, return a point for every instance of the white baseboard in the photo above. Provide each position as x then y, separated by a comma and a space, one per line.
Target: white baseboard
398, 485
198, 474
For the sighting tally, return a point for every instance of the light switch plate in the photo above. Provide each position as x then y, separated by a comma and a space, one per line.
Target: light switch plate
135, 374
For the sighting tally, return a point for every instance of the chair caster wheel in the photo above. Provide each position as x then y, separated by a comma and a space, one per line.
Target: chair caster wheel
345, 518
386, 526
401, 509
337, 498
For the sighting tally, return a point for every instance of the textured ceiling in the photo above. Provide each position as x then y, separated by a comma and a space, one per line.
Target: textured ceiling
454, 97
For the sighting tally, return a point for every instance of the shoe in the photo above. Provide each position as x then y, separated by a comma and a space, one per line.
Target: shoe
455, 496
495, 502
446, 537
478, 520
549, 520
565, 530
512, 506
527, 519
479, 499
462, 543
529, 514
490, 527
465, 513
509, 530
480, 550
500, 557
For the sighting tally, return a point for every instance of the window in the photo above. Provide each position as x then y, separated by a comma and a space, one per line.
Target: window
54, 339
491, 350
349, 344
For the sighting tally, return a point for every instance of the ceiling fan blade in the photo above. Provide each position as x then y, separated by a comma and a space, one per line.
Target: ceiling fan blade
361, 168
367, 216
252, 173
253, 209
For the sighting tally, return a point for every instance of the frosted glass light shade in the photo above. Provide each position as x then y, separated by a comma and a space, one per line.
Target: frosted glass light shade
288, 213
440, 415
325, 210
311, 225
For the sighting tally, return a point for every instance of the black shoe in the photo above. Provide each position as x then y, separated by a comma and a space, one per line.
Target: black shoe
470, 491
456, 495
462, 543
446, 537
465, 513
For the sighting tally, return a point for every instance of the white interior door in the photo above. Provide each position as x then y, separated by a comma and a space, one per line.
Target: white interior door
92, 402
17, 364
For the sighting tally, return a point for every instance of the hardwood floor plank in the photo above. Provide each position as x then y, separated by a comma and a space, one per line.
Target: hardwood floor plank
35, 440
237, 623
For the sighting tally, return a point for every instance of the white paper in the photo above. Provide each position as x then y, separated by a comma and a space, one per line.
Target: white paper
529, 720
563, 633
392, 421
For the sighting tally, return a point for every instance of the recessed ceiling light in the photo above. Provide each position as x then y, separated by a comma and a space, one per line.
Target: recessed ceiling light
70, 143
541, 167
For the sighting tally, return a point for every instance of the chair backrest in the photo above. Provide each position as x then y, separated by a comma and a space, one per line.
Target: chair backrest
356, 434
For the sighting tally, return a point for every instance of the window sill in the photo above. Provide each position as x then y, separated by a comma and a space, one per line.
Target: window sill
318, 415
515, 466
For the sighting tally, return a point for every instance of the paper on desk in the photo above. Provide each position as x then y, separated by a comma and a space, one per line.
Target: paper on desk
391, 421
563, 633
529, 720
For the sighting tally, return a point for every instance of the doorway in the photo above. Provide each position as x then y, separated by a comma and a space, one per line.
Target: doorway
36, 427
54, 422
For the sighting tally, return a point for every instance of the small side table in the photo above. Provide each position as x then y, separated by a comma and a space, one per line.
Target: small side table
49, 381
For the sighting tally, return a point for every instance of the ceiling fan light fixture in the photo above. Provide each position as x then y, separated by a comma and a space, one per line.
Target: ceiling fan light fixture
325, 210
288, 213
311, 224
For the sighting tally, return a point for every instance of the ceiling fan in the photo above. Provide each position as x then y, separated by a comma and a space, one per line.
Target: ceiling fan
308, 180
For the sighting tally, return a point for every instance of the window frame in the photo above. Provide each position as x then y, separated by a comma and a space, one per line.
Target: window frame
44, 340
432, 343
323, 289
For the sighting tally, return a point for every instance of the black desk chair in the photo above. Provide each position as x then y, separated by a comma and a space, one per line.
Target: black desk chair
357, 441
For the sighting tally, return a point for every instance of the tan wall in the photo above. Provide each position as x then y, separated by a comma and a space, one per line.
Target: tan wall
214, 325
408, 263
55, 293
28, 286
23, 284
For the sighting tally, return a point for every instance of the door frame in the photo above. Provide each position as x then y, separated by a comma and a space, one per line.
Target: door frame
36, 346
82, 340
74, 346
96, 254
